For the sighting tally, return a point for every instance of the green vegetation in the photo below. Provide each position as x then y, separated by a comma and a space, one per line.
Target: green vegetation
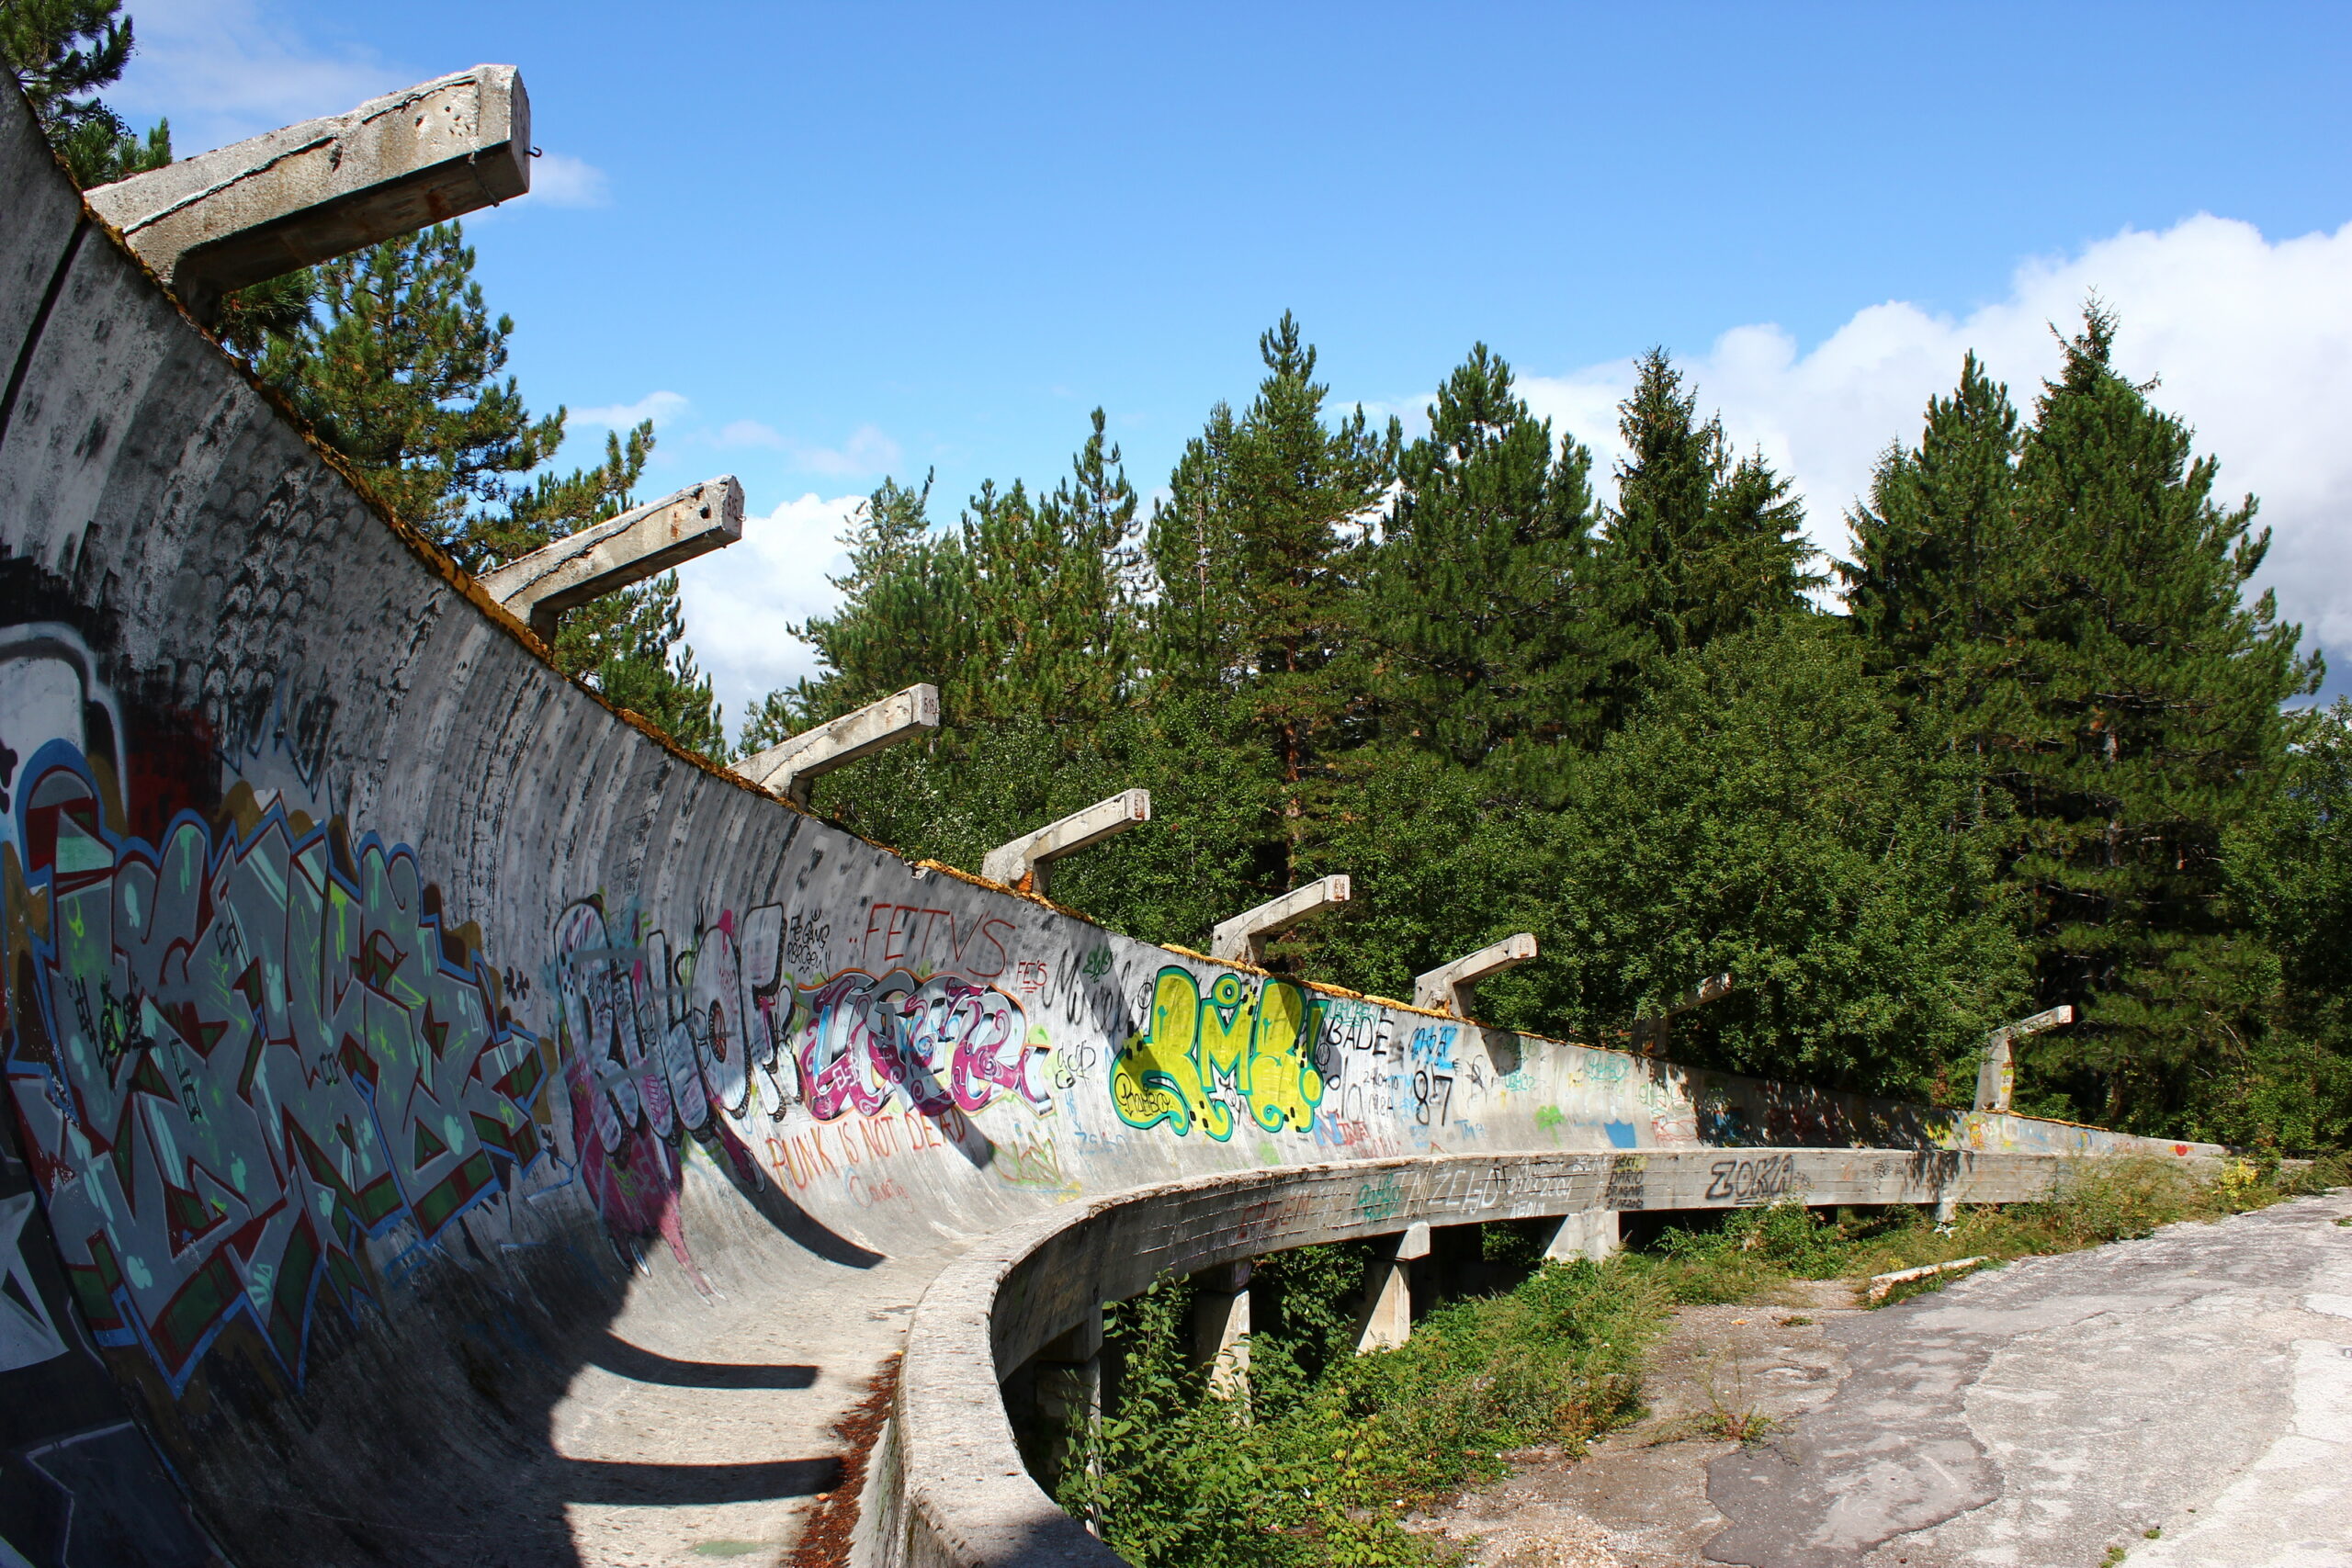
1755, 1253
1329, 1451
1320, 1463
2045, 757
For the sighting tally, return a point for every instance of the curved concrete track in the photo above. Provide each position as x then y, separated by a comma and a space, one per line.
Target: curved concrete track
450, 1125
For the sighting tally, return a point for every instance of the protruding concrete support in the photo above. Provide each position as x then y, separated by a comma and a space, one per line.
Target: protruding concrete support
1033, 854
1221, 1329
1996, 1076
1447, 989
791, 768
1652, 1035
1592, 1233
1242, 939
325, 187
609, 555
1068, 1392
1388, 1293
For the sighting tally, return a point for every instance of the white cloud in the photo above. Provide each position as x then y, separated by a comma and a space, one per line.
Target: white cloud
738, 600
749, 432
2252, 339
867, 451
223, 71
559, 179
661, 408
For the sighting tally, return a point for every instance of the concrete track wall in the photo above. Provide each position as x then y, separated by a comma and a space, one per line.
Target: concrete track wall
391, 1025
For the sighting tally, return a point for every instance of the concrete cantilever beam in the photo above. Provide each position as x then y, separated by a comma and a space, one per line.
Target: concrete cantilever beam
1242, 939
1033, 854
791, 767
325, 187
1996, 1076
1447, 989
607, 557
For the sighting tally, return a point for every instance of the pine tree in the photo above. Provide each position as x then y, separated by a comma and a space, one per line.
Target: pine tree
1480, 607
905, 616
397, 370
1929, 587
1257, 553
2143, 717
1053, 597
58, 49
1699, 543
2065, 605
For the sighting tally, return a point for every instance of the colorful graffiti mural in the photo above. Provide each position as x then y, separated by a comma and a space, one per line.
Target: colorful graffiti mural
943, 1042
239, 1055
1198, 1054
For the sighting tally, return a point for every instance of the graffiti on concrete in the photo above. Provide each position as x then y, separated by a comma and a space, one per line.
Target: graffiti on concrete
239, 1055
943, 1042
1198, 1055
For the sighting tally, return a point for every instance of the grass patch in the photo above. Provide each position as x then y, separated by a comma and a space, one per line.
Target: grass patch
1753, 1253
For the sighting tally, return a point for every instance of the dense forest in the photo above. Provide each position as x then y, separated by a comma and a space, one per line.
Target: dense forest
2033, 744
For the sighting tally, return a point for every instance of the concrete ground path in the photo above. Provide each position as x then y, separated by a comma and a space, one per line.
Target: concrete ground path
2187, 1398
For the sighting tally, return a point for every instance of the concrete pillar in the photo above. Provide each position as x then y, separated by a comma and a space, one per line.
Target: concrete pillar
1221, 1329
1591, 1233
326, 187
1069, 1394
607, 557
1388, 1293
1032, 856
1447, 989
1242, 939
1996, 1076
791, 767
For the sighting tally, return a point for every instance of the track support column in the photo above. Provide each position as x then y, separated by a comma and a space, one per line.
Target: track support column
1388, 1293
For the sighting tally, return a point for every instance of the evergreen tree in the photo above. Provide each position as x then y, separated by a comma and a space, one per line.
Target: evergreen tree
1256, 554
2065, 605
397, 370
2143, 715
1699, 543
1480, 607
60, 49
1935, 545
1054, 622
905, 616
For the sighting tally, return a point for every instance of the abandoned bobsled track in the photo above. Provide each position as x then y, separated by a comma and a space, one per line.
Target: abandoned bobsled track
450, 1125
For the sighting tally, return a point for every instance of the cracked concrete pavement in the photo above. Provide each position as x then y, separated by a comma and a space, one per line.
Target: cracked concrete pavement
2187, 1398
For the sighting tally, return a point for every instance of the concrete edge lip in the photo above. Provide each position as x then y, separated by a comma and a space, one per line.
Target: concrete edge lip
955, 1489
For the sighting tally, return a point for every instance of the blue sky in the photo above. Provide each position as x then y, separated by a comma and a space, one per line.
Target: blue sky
822, 243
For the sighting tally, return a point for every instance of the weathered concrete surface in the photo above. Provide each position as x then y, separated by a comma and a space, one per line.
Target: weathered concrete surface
1031, 857
1447, 987
2199, 1383
791, 766
301, 195
445, 1119
609, 555
1242, 939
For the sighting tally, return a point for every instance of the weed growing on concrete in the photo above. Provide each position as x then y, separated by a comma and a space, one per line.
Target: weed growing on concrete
1753, 1253
1329, 1453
